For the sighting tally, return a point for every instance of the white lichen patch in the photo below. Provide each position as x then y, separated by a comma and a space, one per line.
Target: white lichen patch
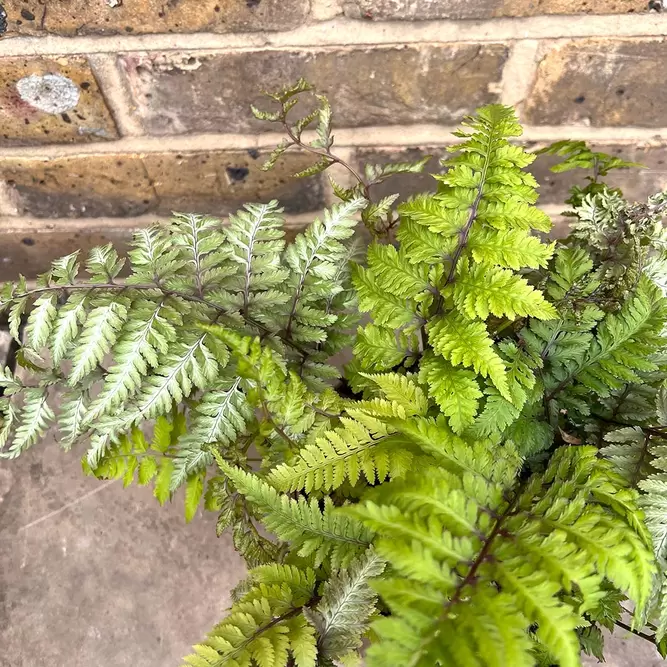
51, 93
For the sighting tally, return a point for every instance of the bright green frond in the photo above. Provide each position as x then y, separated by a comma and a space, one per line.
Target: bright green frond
481, 290
467, 343
523, 540
456, 391
379, 348
346, 453
311, 531
388, 309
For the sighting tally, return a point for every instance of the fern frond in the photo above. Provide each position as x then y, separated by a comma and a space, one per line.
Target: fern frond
31, 421
202, 250
342, 616
402, 390
509, 248
346, 453
266, 626
640, 457
420, 244
444, 597
388, 309
103, 264
395, 273
153, 257
381, 348
481, 290
70, 318
257, 238
144, 339
219, 418
456, 391
622, 347
321, 533
72, 417
314, 259
99, 332
188, 364
467, 343
431, 213
41, 321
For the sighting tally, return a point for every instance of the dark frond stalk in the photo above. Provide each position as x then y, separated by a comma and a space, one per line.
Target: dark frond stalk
279, 429
637, 633
260, 540
319, 411
295, 611
326, 153
464, 234
635, 477
651, 430
469, 579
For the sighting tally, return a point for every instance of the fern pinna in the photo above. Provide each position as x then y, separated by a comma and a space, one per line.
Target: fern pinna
483, 487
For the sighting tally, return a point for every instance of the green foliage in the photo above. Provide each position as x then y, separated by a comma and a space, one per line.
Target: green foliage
266, 626
363, 446
485, 485
639, 455
480, 556
324, 533
578, 155
451, 272
312, 133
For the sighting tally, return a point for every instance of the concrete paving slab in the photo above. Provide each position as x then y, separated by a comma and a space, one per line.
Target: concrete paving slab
92, 574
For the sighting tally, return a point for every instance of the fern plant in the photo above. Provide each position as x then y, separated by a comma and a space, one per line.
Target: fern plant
481, 485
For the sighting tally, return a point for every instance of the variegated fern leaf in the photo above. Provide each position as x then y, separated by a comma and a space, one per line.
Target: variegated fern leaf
128, 346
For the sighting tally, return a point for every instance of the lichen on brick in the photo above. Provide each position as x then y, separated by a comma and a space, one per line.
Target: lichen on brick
51, 93
51, 100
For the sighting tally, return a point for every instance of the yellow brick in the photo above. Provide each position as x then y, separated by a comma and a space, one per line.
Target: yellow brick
47, 101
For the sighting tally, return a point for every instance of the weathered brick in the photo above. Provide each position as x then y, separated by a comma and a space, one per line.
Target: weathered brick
221, 181
99, 17
118, 185
637, 184
29, 247
51, 100
601, 82
482, 9
177, 93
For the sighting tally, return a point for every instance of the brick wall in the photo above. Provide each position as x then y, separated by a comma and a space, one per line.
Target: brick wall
115, 112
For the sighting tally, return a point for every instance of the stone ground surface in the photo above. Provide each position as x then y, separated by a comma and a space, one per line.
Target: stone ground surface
94, 575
